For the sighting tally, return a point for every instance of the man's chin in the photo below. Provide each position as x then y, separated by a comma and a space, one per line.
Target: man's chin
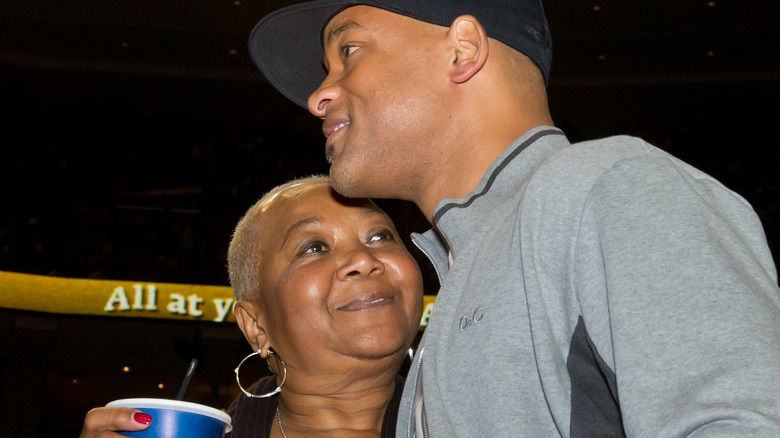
345, 184
363, 182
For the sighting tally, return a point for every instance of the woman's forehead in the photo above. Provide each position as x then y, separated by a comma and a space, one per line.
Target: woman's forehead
319, 202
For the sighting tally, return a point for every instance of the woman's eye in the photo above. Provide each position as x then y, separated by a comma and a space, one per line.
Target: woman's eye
315, 247
382, 235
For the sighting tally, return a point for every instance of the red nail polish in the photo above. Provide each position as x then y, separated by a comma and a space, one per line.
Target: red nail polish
142, 418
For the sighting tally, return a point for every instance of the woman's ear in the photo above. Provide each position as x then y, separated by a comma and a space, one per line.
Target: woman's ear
251, 321
469, 44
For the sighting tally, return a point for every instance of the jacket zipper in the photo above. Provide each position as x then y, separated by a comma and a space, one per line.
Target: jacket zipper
418, 371
430, 259
418, 366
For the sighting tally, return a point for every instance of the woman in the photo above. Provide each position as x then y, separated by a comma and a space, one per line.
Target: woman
329, 295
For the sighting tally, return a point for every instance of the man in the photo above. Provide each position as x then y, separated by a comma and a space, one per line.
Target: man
596, 289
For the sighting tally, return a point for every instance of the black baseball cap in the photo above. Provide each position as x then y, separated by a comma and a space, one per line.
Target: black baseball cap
286, 45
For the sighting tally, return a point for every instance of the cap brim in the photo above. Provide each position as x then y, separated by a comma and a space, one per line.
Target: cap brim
287, 47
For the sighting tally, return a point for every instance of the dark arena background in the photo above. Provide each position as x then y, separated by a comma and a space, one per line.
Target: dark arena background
135, 133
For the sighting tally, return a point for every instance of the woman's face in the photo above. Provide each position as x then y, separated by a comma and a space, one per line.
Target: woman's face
336, 281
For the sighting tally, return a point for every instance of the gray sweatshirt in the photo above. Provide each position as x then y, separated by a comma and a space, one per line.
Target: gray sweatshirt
600, 289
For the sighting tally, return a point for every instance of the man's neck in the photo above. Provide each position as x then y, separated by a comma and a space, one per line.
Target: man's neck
462, 172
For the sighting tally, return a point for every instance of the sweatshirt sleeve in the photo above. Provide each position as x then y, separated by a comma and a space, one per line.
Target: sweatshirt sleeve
679, 292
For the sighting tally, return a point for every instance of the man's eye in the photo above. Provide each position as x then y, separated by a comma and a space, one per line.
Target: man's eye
348, 50
382, 235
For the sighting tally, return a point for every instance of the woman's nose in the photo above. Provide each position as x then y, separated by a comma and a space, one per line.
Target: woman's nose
358, 264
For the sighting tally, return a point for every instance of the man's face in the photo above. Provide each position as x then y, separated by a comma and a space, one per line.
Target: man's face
380, 101
336, 281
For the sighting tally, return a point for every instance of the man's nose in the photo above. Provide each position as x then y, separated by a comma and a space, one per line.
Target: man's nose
320, 100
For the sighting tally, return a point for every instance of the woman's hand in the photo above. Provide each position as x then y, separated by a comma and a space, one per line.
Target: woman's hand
101, 422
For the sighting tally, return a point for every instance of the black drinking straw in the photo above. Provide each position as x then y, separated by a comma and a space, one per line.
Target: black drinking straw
187, 378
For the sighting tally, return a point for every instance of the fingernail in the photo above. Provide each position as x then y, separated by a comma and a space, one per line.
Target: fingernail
142, 418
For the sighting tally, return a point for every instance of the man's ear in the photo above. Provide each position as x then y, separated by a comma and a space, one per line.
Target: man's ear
251, 321
469, 44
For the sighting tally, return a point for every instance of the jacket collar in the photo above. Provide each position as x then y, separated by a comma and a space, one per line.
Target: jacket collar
455, 219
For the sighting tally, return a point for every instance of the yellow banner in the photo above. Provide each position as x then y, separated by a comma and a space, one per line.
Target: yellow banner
134, 299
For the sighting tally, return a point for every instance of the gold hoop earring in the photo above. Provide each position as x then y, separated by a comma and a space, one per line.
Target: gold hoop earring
268, 394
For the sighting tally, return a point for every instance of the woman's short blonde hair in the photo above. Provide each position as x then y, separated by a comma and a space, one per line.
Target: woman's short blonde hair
245, 245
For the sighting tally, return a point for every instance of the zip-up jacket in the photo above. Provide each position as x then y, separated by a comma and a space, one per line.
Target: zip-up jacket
603, 288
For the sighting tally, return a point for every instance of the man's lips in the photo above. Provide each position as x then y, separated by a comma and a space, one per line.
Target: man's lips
366, 302
330, 127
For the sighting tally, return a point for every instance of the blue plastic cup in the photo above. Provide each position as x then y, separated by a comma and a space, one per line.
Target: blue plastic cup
175, 418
